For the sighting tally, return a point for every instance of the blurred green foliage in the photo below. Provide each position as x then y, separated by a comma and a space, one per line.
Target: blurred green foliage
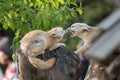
23, 16
94, 11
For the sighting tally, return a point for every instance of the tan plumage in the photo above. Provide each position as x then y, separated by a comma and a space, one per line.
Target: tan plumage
36, 42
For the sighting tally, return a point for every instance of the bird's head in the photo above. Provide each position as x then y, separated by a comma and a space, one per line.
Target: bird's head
78, 28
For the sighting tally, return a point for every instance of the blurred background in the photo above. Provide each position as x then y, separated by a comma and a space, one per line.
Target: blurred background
19, 17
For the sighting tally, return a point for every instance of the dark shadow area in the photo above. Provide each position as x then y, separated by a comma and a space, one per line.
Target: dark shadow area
67, 67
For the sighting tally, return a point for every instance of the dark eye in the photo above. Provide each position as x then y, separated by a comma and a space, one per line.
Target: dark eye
72, 26
36, 41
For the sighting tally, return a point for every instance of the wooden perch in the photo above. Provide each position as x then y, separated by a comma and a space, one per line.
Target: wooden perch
105, 51
67, 67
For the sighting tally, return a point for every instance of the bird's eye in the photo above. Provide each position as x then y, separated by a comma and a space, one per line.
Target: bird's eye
36, 41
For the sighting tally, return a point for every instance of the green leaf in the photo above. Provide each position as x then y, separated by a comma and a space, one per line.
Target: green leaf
5, 26
80, 11
74, 3
14, 57
61, 1
23, 16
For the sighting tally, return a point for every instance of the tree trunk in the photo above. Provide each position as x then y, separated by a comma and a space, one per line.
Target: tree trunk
67, 66
97, 71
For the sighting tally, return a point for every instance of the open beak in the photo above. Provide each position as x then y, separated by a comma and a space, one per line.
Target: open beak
68, 29
72, 31
65, 31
